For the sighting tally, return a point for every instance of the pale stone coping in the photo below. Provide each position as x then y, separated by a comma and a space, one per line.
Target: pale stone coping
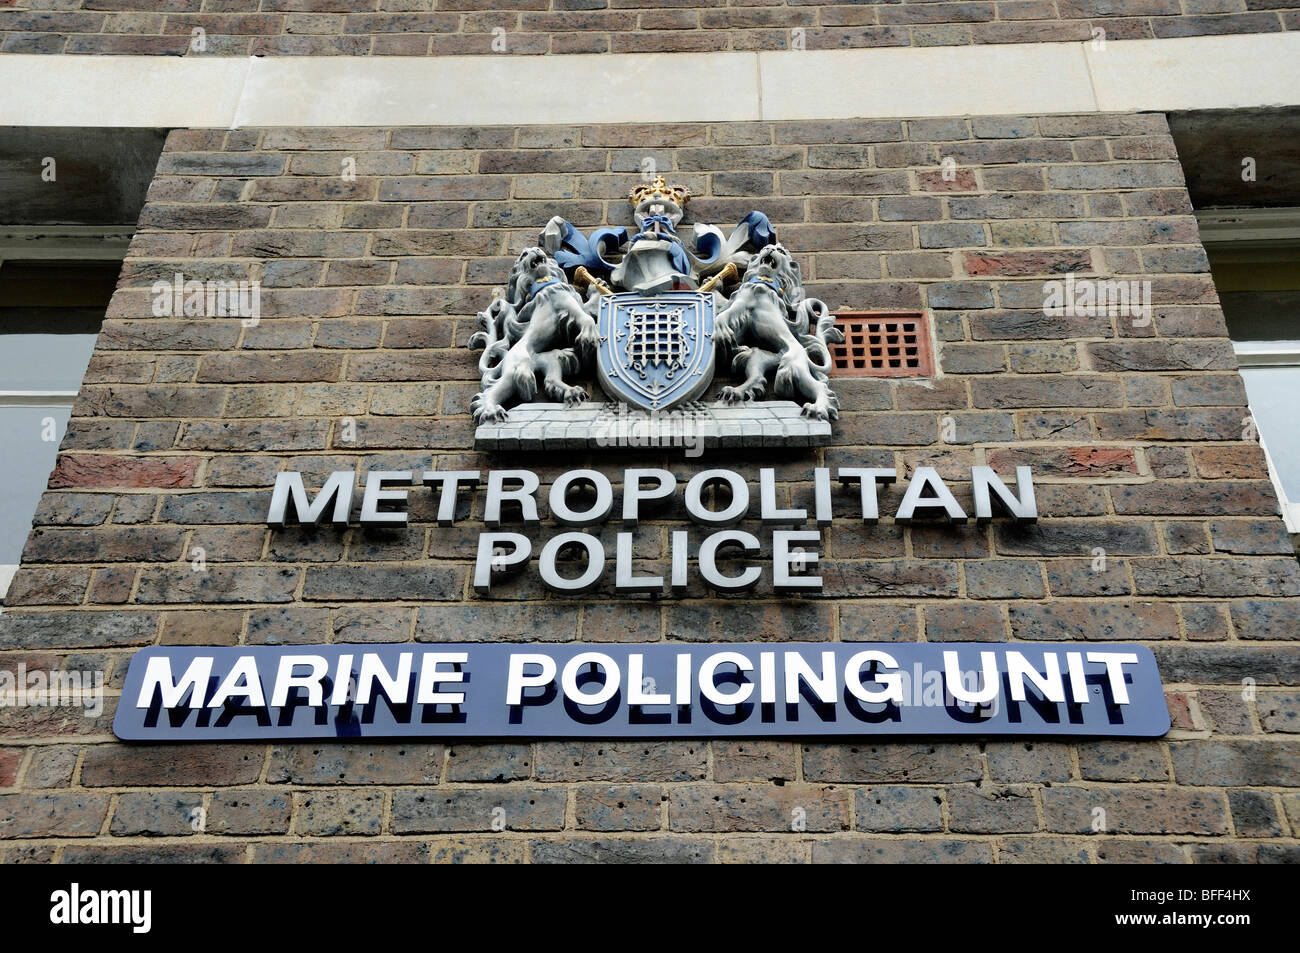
499, 90
610, 426
126, 91
1199, 73
1202, 72
901, 82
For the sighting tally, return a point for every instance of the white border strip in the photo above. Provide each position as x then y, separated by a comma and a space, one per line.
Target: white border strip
1205, 72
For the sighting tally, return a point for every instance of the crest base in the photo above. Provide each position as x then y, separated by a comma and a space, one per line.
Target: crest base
689, 427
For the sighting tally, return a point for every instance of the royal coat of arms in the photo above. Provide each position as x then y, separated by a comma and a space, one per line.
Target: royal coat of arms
649, 314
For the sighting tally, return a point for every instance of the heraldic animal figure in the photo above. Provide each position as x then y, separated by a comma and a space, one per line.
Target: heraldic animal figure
540, 327
777, 334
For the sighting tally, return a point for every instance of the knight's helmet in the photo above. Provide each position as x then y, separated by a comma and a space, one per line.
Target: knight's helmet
659, 198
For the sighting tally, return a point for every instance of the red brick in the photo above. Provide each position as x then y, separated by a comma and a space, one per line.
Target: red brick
1027, 263
959, 180
108, 470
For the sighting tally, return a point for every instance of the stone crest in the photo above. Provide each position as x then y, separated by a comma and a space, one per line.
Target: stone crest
649, 314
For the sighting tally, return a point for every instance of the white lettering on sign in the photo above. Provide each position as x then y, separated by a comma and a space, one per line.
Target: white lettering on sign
742, 689
259, 682
712, 499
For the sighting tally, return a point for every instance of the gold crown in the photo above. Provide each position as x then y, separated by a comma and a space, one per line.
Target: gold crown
659, 189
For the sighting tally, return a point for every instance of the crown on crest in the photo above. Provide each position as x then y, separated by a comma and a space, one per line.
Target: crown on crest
659, 190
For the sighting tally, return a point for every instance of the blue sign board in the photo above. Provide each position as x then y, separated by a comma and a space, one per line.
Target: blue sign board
508, 690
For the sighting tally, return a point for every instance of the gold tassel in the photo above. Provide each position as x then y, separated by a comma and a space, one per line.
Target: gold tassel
587, 278
731, 271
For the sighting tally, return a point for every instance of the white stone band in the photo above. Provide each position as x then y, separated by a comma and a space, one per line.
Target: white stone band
1204, 72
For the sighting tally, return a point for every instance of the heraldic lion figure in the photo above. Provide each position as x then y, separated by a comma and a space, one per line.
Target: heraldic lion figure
540, 327
777, 334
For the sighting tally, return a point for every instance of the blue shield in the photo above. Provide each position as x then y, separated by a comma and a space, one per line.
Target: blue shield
655, 350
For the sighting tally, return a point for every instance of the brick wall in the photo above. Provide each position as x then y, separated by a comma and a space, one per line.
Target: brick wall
466, 27
369, 291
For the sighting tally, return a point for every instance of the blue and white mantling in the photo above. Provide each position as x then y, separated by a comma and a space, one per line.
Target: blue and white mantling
650, 312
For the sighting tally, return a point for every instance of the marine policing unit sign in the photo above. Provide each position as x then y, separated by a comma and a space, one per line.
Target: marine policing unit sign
651, 316
745, 689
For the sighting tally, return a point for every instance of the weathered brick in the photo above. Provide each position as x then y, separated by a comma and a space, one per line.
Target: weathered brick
1029, 761
249, 812
883, 850
148, 765
623, 850
1280, 711
1093, 621
619, 807
1134, 810
1168, 462
50, 767
985, 810
716, 622
50, 630
1223, 665
1254, 814
1237, 462
380, 582
965, 622
929, 578
1226, 712
373, 763
1186, 539
733, 807
1217, 498
1262, 576
47, 585
489, 762
459, 623
1002, 579
108, 470
1205, 622
1251, 537
52, 815
1134, 851
619, 761
339, 813
10, 759
1045, 391
1122, 761
1158, 424
169, 814
363, 852
124, 544
897, 807
217, 584
1236, 762
753, 760
1041, 850
473, 809
1075, 538
291, 625
896, 762
1089, 577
